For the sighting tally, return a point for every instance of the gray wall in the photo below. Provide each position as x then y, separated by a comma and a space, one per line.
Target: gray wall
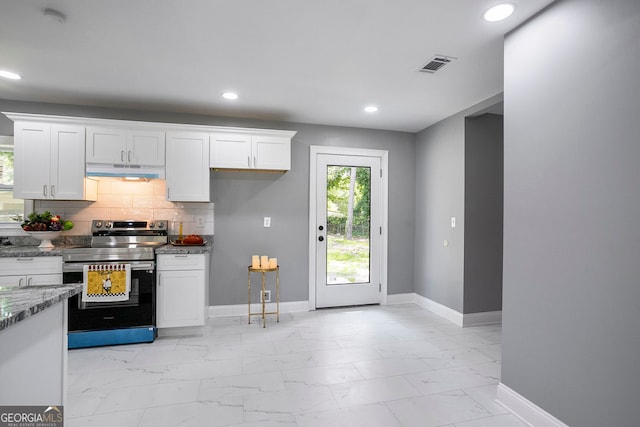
483, 189
242, 199
571, 316
440, 194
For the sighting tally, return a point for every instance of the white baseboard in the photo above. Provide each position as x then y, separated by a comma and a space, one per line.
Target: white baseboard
469, 319
442, 310
484, 318
526, 410
241, 309
401, 298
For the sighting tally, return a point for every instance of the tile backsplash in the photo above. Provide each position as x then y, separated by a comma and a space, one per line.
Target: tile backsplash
118, 200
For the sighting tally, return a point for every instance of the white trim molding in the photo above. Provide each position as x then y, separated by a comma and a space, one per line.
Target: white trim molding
460, 319
442, 310
409, 298
241, 309
526, 410
484, 318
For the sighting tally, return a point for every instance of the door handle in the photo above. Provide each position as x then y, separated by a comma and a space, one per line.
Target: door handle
321, 238
122, 156
44, 190
129, 156
53, 191
321, 228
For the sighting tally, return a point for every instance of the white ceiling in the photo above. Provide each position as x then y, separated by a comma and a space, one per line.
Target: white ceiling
292, 60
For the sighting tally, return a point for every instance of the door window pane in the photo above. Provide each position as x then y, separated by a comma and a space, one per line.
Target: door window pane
348, 224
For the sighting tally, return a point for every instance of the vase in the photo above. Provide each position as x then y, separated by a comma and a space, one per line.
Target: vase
45, 238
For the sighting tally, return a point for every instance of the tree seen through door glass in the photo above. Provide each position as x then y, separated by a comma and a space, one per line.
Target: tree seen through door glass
348, 224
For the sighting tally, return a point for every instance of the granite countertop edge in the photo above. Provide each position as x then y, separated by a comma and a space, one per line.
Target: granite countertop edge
27, 301
28, 251
171, 249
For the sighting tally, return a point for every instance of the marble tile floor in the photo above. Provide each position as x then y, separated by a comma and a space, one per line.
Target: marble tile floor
386, 366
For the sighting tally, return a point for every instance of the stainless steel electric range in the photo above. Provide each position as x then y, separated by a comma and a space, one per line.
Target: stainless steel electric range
125, 242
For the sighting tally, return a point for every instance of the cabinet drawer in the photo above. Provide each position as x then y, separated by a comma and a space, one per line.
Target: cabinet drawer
181, 262
31, 265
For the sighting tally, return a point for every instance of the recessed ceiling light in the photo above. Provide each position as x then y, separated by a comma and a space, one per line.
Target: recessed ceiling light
9, 75
499, 12
230, 95
371, 109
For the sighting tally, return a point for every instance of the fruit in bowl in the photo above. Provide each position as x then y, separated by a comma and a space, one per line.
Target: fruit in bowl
45, 222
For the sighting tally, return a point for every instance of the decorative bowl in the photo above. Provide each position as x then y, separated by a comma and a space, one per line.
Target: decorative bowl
45, 237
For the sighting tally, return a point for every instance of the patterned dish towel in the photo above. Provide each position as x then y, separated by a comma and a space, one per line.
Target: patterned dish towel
106, 282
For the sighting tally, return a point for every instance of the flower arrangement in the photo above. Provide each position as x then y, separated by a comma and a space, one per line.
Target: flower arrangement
45, 222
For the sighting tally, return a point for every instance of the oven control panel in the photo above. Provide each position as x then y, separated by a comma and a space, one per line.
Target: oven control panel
100, 226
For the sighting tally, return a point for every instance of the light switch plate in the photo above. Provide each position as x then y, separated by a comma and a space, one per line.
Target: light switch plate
267, 221
453, 222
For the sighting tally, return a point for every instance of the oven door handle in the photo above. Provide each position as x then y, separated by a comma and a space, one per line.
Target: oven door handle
71, 267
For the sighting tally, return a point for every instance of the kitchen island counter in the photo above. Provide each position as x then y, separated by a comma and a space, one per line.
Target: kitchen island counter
19, 303
33, 344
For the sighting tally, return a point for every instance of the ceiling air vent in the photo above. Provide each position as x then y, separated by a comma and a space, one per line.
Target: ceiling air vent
437, 62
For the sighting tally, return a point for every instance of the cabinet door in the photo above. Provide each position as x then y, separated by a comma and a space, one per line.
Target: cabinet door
231, 151
31, 160
271, 152
145, 148
12, 281
67, 162
44, 279
180, 300
106, 145
187, 172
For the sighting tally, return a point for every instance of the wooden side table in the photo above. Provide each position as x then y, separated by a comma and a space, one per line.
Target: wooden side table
262, 313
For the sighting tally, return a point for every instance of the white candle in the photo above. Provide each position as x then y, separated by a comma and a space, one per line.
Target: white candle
264, 261
273, 262
255, 261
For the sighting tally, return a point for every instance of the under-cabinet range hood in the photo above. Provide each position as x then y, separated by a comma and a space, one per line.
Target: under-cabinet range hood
122, 171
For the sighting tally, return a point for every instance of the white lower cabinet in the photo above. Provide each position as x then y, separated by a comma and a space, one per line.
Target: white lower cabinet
182, 290
31, 271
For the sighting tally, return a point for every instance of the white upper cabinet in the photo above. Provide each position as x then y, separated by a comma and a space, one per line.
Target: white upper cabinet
271, 152
122, 146
49, 162
251, 151
146, 148
187, 172
230, 151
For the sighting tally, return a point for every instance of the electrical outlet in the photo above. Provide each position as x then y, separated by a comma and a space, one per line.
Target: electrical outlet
267, 221
200, 221
267, 296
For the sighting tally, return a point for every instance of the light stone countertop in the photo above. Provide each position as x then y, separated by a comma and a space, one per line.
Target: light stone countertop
18, 303
172, 249
29, 251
